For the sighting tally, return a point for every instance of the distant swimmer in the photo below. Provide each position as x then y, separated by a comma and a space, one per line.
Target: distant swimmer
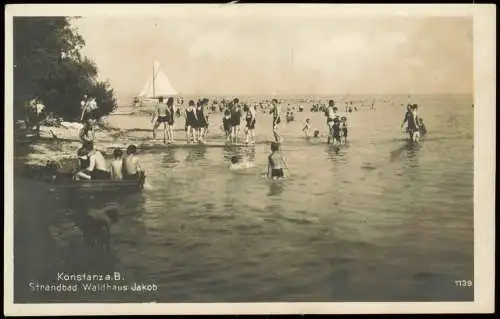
276, 163
250, 124
131, 167
275, 111
191, 122
162, 115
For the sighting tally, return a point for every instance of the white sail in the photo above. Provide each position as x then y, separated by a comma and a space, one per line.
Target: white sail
159, 86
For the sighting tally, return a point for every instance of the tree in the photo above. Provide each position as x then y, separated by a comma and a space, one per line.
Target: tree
48, 64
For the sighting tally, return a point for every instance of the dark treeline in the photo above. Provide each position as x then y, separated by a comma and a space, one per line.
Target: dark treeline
48, 65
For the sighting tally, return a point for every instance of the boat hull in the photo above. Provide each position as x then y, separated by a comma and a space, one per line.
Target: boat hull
99, 185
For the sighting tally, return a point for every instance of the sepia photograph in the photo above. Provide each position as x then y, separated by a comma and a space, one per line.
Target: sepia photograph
281, 158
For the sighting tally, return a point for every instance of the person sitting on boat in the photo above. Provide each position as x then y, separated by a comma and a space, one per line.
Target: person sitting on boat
200, 121
131, 167
97, 169
87, 132
116, 166
82, 165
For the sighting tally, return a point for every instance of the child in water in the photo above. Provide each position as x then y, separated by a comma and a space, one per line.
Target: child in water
276, 163
421, 126
307, 127
343, 127
115, 168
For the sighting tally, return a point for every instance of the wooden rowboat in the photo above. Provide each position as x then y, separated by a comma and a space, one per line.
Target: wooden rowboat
97, 185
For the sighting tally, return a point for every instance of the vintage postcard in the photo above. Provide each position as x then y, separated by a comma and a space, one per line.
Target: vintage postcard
249, 159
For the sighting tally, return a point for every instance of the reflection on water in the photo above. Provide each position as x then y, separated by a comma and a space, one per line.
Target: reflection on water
352, 223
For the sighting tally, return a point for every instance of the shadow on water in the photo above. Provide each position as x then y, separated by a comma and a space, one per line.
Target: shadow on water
196, 154
276, 188
411, 148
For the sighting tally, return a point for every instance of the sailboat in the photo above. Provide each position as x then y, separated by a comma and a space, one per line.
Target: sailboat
157, 85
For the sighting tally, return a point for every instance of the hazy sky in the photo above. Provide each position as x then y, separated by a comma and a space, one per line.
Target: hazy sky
310, 54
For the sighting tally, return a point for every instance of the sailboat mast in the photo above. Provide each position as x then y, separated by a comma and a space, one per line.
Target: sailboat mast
154, 80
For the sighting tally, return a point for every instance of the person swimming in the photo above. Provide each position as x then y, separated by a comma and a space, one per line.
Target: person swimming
276, 163
116, 166
82, 164
237, 162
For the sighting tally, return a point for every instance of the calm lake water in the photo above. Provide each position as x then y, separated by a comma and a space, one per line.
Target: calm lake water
373, 221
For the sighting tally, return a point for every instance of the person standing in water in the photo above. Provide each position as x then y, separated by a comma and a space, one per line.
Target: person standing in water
161, 115
170, 120
235, 120
411, 120
191, 121
250, 124
275, 111
276, 163
331, 114
200, 121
